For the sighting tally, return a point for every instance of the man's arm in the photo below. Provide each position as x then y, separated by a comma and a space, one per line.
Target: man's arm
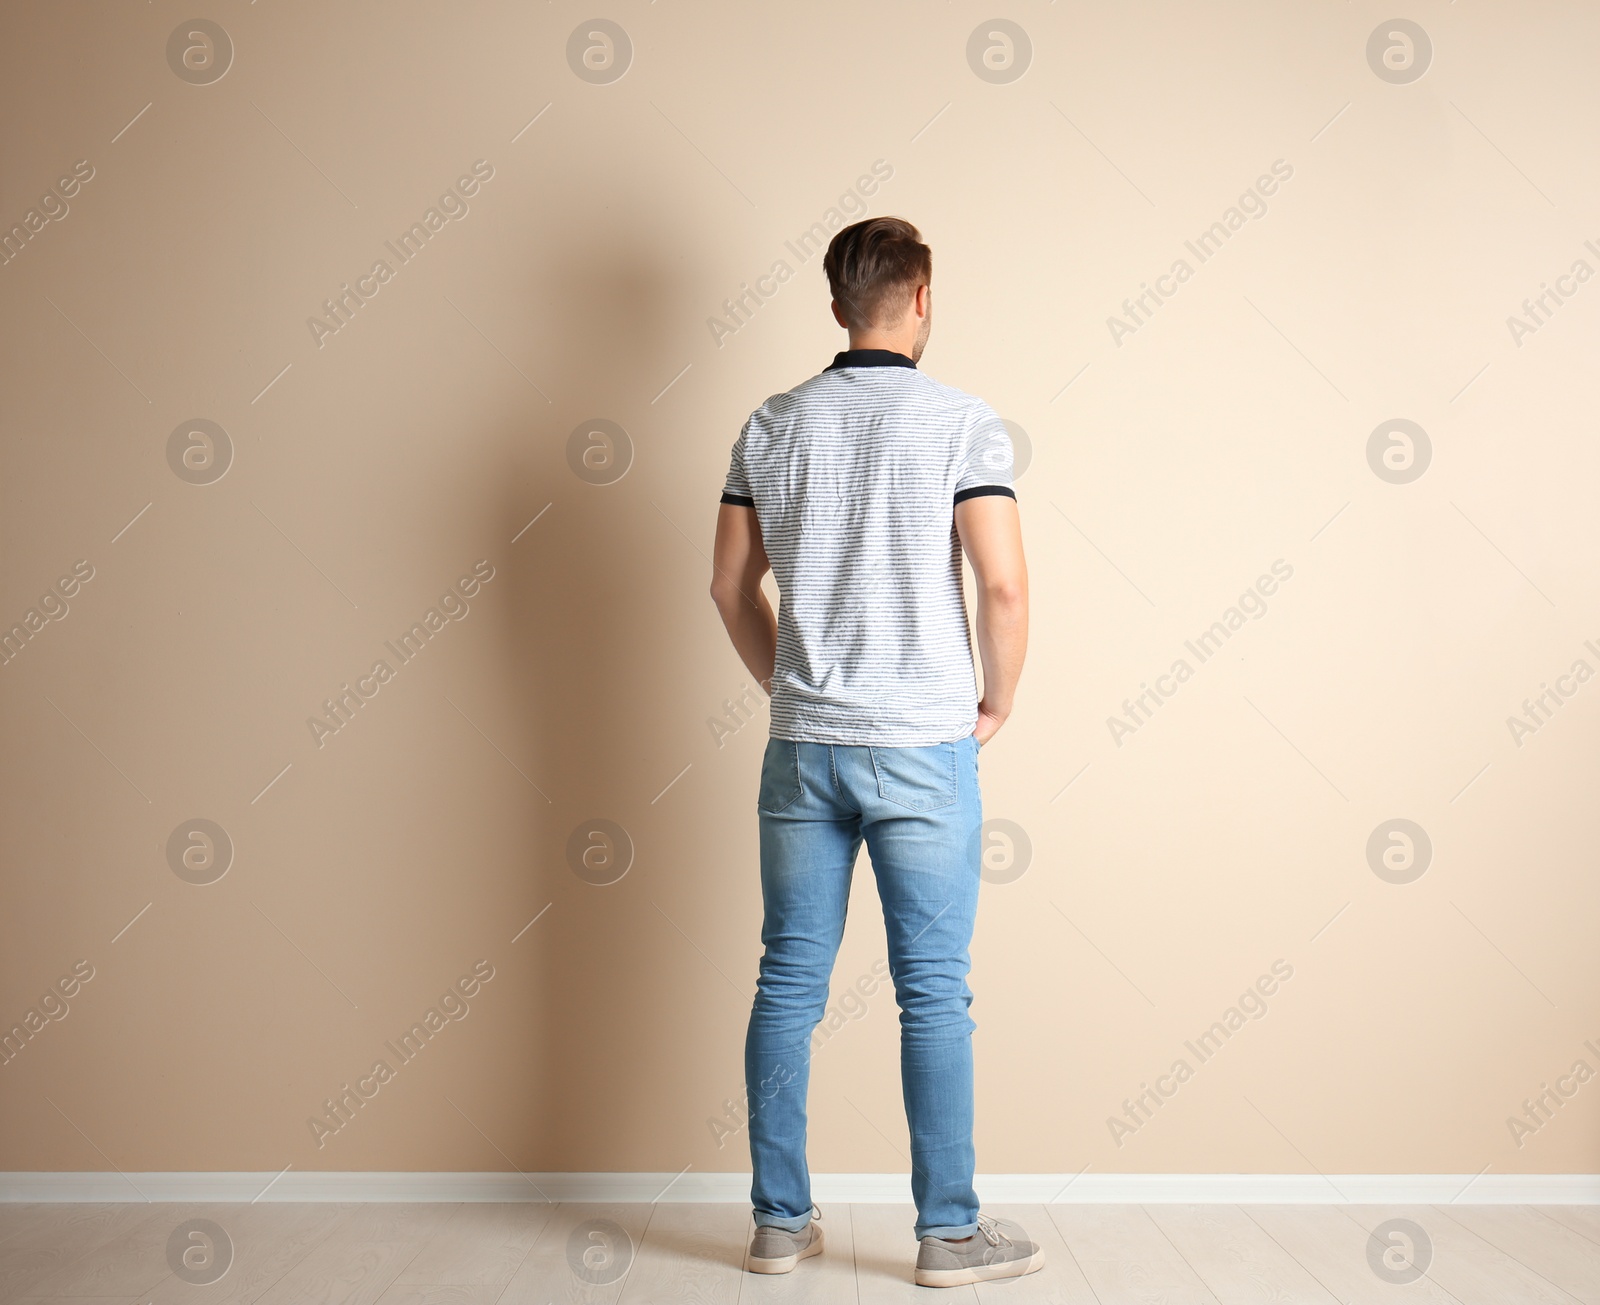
738, 561
991, 535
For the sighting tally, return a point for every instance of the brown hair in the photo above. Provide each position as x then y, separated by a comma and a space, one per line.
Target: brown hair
874, 267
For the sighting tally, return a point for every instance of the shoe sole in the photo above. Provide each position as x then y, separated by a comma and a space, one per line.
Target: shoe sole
784, 1263
980, 1272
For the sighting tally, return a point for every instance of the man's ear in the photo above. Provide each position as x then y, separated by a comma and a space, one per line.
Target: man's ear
837, 315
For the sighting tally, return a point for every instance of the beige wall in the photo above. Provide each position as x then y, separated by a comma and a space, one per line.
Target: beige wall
1171, 466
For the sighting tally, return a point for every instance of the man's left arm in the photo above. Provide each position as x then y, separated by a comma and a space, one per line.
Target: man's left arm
738, 561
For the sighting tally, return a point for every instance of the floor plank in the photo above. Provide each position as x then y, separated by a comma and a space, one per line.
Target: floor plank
481, 1244
361, 1258
341, 1271
269, 1239
1549, 1248
70, 1233
441, 1294
546, 1276
74, 1300
26, 1219
690, 1253
126, 1264
1465, 1265
1060, 1282
886, 1257
532, 1253
1126, 1257
398, 1221
1332, 1248
1235, 1259
825, 1279
1582, 1219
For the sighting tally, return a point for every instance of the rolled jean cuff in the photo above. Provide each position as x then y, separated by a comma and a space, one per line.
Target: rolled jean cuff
787, 1225
950, 1234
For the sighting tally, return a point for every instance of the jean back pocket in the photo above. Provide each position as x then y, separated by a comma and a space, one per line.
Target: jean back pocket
780, 776
920, 779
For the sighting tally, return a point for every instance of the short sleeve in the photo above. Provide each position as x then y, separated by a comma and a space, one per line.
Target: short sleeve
986, 467
736, 489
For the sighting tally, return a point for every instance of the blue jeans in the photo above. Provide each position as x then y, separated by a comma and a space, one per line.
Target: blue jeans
920, 812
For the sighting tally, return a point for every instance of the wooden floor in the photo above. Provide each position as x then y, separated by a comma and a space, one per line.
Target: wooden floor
523, 1254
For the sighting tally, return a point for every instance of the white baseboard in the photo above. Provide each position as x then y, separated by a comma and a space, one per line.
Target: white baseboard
995, 1189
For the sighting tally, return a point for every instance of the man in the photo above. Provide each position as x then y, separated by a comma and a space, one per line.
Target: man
859, 489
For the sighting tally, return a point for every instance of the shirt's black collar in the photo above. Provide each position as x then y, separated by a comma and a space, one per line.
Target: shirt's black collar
868, 358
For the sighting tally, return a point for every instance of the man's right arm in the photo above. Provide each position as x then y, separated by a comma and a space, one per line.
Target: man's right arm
991, 535
738, 561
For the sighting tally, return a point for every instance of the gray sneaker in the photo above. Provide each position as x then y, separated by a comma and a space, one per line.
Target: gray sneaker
997, 1250
772, 1250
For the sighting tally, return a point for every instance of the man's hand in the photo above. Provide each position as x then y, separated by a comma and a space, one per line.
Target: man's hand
989, 722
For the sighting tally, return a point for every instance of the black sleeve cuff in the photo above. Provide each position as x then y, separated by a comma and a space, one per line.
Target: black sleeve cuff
978, 491
738, 500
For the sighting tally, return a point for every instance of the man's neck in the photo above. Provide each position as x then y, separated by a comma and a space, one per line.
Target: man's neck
902, 344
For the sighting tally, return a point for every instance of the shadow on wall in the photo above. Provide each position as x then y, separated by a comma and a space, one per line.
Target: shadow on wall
597, 627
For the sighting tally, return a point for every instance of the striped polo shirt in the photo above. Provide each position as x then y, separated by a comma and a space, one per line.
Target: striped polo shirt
854, 476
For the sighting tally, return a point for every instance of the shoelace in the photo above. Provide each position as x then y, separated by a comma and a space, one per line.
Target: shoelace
991, 1232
